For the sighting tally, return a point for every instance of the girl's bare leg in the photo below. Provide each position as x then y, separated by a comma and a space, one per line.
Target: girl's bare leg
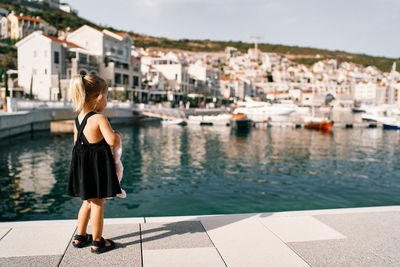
97, 218
83, 219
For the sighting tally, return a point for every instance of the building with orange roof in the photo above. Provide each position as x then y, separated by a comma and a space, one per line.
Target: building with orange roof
46, 64
20, 26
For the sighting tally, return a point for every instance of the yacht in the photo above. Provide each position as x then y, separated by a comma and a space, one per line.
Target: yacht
220, 119
262, 111
380, 113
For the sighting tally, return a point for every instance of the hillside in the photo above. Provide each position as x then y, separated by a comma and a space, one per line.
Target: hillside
303, 55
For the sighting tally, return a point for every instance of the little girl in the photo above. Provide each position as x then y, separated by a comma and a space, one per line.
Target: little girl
92, 174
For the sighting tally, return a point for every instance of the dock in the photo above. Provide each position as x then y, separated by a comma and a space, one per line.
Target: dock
336, 237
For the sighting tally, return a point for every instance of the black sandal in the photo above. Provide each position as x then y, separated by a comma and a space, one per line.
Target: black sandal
102, 246
84, 240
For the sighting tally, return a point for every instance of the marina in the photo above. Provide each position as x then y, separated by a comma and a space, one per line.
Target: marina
198, 138
172, 170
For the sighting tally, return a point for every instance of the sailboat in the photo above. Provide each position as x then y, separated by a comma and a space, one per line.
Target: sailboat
317, 123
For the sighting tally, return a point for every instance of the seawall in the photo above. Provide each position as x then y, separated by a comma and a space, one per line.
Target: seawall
40, 119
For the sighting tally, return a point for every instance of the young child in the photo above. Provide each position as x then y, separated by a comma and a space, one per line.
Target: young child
92, 175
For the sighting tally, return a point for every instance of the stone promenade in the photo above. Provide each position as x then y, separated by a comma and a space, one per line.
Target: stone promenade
338, 237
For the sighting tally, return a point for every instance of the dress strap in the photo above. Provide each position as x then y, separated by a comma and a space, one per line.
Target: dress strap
80, 136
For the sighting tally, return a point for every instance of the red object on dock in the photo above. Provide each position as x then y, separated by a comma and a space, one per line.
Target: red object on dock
323, 125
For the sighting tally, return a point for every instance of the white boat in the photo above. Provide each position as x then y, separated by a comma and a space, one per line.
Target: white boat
380, 113
221, 119
262, 111
391, 124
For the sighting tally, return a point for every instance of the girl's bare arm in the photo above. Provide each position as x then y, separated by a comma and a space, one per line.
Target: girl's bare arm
111, 138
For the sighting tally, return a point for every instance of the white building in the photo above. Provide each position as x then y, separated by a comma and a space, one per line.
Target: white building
5, 28
175, 72
113, 48
67, 8
204, 78
45, 63
3, 14
20, 26
370, 93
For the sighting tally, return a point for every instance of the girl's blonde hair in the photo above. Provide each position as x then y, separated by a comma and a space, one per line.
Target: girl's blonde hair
85, 90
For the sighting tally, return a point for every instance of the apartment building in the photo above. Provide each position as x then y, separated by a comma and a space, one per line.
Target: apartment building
46, 63
114, 49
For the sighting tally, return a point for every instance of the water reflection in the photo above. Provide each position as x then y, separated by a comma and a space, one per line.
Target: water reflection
207, 170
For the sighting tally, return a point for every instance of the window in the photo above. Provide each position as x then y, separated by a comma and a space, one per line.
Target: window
126, 79
56, 57
82, 59
117, 78
135, 81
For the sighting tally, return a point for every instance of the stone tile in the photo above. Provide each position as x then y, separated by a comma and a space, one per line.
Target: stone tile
171, 219
300, 228
4, 231
190, 234
127, 253
372, 240
331, 211
48, 223
182, 257
247, 242
196, 218
124, 220
36, 240
32, 261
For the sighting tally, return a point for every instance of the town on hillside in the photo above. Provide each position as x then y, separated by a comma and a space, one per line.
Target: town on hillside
48, 57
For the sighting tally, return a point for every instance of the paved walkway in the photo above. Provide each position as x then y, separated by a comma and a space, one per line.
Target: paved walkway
341, 237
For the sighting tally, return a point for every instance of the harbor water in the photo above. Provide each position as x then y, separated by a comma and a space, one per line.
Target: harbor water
173, 170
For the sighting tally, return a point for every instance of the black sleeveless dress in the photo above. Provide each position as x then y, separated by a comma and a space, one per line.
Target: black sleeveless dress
92, 172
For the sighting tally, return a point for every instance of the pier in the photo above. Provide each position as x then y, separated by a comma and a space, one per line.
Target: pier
336, 237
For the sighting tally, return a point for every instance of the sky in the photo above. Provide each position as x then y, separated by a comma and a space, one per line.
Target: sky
369, 26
